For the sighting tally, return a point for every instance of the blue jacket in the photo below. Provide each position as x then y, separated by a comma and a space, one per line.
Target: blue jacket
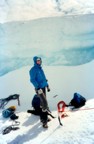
37, 76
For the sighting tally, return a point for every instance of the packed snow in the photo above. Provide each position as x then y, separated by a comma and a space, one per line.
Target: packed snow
64, 81
62, 33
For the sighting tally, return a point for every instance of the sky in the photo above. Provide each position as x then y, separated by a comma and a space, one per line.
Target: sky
64, 81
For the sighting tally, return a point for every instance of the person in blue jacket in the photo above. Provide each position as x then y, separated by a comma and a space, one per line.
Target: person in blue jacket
37, 76
39, 81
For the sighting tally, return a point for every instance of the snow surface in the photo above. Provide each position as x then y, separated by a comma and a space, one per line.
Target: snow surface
69, 40
64, 81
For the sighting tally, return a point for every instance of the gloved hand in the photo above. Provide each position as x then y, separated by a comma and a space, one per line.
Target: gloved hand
39, 91
48, 89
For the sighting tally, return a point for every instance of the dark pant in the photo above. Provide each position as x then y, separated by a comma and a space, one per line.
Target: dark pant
35, 111
43, 100
44, 91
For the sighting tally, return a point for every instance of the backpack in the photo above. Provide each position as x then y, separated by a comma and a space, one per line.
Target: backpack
7, 113
77, 101
36, 102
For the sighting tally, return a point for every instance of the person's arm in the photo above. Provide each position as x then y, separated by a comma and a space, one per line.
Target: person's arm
48, 88
33, 78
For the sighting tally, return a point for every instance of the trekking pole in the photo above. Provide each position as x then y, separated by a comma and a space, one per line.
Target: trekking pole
48, 113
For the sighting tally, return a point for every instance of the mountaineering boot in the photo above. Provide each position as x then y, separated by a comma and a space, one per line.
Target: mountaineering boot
45, 125
48, 120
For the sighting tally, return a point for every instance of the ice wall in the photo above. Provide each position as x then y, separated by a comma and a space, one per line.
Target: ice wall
65, 40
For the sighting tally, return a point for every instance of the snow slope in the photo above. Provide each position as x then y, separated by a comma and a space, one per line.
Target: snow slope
64, 81
11, 10
68, 41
